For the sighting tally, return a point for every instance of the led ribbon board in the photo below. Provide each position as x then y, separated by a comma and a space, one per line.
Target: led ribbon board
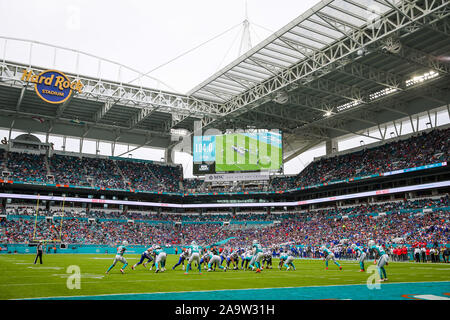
52, 86
235, 204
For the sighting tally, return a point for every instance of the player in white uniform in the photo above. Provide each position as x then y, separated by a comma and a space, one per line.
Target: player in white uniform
383, 259
267, 258
194, 255
287, 260
257, 256
214, 259
119, 257
147, 254
246, 258
329, 255
361, 256
183, 256
204, 260
160, 260
233, 257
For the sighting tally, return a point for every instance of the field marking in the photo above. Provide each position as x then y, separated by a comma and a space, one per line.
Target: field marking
9, 259
46, 268
83, 275
220, 290
136, 280
422, 268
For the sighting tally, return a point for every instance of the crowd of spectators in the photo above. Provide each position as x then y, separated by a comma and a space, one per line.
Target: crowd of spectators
309, 229
26, 167
94, 172
193, 185
2, 159
103, 172
170, 178
138, 175
422, 149
68, 170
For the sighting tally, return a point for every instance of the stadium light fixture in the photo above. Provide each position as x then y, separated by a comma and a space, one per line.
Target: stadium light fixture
348, 105
421, 78
382, 93
179, 132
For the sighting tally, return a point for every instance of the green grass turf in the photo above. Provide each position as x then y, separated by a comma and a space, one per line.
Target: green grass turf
19, 278
229, 160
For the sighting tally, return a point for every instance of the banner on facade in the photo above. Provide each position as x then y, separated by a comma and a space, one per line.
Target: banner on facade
242, 176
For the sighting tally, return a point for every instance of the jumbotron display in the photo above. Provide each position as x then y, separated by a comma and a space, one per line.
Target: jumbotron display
237, 152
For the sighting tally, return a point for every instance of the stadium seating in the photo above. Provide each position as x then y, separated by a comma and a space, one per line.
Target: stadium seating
423, 149
68, 170
403, 223
26, 167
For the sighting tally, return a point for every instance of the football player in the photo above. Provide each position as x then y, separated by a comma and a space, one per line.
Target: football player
119, 257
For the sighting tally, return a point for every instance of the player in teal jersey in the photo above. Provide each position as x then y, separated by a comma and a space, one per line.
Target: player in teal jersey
119, 257
287, 260
382, 259
194, 255
257, 256
160, 259
214, 259
247, 257
329, 256
361, 256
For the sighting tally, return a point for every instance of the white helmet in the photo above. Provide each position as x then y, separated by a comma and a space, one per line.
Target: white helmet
255, 241
125, 242
193, 243
353, 246
371, 243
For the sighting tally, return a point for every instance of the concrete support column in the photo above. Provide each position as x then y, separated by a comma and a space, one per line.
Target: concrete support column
168, 155
331, 147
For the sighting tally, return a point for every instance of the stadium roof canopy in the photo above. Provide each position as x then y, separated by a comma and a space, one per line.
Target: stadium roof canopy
340, 68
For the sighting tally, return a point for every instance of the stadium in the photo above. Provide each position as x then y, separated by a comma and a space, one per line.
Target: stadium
360, 86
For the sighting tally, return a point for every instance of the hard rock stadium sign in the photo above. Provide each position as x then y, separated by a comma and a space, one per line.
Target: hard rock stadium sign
52, 86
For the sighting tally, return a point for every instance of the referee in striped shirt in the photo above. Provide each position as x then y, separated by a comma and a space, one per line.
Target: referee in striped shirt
39, 251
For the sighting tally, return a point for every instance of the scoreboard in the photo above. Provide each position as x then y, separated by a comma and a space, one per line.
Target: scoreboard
237, 152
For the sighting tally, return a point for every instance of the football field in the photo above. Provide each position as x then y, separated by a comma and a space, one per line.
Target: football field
236, 152
20, 278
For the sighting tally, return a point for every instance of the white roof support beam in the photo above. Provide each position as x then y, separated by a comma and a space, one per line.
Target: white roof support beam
63, 106
140, 117
101, 113
22, 94
356, 37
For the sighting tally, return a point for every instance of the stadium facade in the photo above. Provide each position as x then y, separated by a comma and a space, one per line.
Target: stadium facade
334, 71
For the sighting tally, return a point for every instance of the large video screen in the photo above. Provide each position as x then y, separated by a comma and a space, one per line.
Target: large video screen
236, 152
